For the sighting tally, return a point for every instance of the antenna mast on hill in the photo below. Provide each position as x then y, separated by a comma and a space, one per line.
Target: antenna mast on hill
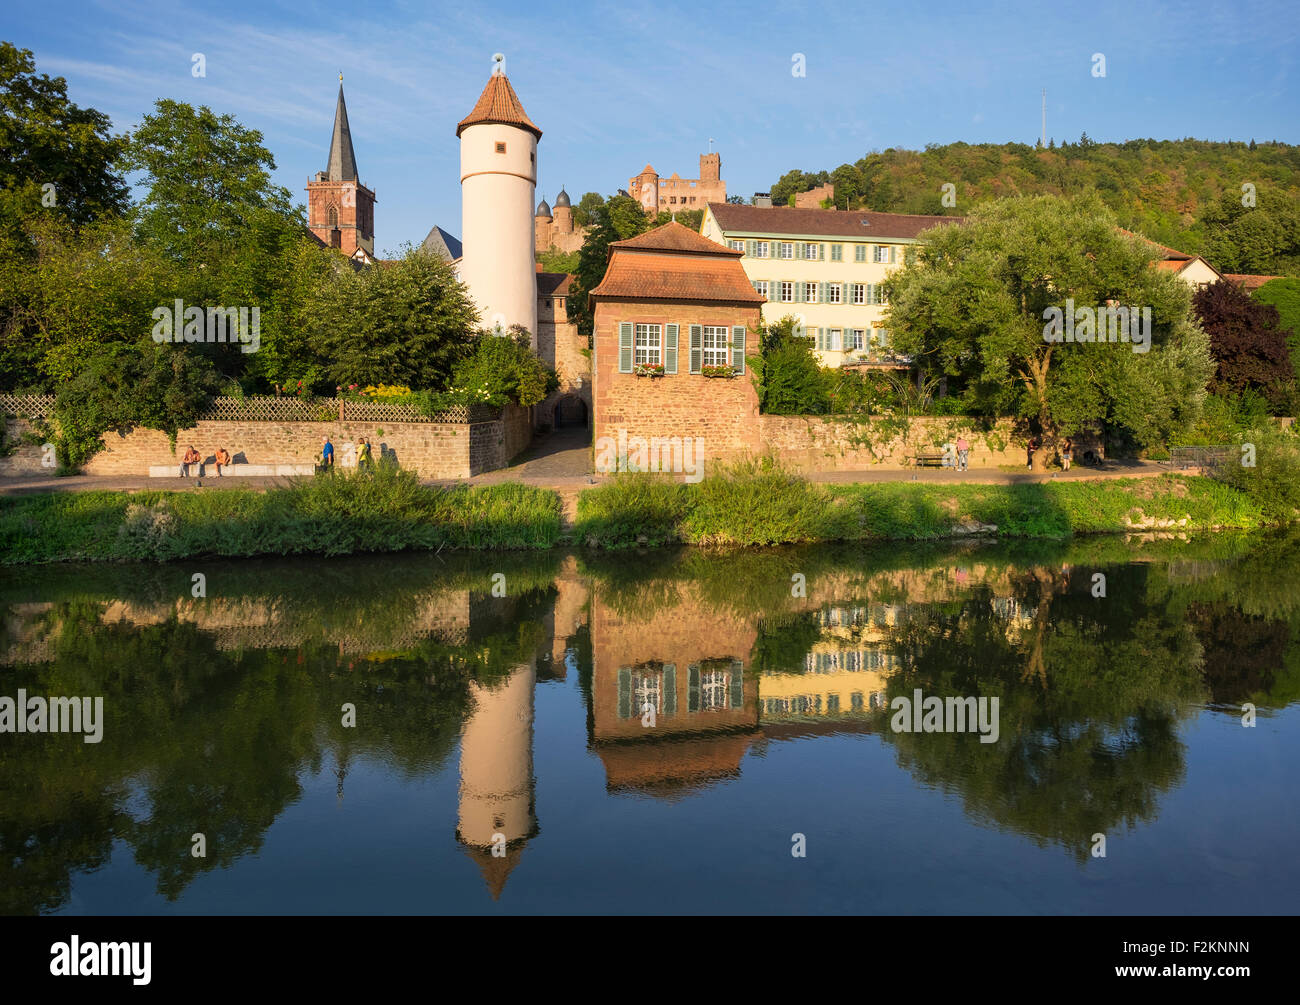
1043, 141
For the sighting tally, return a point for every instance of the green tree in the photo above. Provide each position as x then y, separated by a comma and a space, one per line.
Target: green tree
786, 374
618, 219
208, 180
974, 303
585, 210
1284, 294
409, 322
45, 139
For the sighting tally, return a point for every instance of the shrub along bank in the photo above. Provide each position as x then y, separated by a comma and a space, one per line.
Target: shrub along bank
751, 505
339, 514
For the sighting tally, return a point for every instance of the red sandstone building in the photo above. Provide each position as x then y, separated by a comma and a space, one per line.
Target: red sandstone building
340, 210
673, 317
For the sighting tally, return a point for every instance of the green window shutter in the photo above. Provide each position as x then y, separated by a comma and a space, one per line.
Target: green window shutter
859, 252
799, 292
693, 688
824, 296
670, 348
737, 684
669, 689
798, 249
697, 347
625, 347
822, 253
893, 254
738, 348
624, 693
871, 293
818, 339
845, 292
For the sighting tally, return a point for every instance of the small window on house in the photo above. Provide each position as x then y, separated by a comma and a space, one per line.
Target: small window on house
760, 249
859, 293
716, 344
833, 293
812, 252
649, 344
881, 254
737, 245
837, 252
501, 148
810, 293
859, 252
787, 293
760, 287
787, 249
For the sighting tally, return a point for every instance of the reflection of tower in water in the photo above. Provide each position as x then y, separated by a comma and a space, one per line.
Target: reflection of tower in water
496, 775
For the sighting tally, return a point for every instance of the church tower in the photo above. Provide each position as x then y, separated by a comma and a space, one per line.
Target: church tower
498, 178
340, 210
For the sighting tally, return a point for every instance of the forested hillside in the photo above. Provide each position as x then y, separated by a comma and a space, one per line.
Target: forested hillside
1187, 194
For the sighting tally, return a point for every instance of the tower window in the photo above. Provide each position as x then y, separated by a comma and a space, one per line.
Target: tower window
501, 148
333, 216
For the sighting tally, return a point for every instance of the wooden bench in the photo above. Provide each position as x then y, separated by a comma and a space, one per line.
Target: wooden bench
930, 460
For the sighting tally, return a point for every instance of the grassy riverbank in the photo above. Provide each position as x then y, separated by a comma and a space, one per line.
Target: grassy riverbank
745, 505
749, 506
337, 515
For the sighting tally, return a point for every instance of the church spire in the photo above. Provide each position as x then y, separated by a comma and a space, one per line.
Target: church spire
343, 161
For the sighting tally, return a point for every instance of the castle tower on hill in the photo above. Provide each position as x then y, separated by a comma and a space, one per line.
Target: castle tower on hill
340, 210
498, 179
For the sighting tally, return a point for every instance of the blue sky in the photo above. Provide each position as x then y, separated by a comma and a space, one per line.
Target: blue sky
613, 86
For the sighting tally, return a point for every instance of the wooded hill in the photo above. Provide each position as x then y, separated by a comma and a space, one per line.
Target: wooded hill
1187, 194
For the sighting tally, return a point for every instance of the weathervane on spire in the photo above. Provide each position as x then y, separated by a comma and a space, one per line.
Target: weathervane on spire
340, 76
498, 64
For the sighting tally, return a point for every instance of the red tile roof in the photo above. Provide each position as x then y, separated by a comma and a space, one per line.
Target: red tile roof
553, 284
822, 222
1248, 282
499, 103
673, 262
674, 236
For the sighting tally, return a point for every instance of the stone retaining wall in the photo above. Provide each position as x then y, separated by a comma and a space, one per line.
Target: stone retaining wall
821, 443
431, 449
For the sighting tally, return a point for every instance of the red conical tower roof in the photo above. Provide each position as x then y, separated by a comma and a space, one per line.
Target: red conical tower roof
499, 103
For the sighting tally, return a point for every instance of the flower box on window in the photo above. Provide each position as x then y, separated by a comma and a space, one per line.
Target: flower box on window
718, 371
648, 370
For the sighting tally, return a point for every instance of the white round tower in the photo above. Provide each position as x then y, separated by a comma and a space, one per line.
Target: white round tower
498, 179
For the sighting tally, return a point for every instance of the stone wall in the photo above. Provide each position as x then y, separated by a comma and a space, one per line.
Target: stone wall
431, 449
818, 443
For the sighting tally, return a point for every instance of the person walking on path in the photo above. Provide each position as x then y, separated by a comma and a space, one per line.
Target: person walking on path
364, 460
1030, 448
1067, 453
222, 457
191, 457
326, 452
963, 453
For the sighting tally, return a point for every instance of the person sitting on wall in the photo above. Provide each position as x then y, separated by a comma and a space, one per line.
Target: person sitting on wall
222, 458
191, 457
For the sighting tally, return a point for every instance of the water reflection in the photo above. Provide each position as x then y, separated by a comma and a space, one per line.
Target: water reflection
217, 709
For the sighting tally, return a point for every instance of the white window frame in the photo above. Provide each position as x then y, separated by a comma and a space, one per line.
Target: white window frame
810, 291
761, 249
787, 249
860, 293
760, 287
835, 339
787, 291
648, 345
880, 254
715, 690
834, 294
812, 252
737, 245
719, 353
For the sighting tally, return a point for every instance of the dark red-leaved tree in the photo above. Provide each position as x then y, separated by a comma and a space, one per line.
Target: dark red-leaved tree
1247, 341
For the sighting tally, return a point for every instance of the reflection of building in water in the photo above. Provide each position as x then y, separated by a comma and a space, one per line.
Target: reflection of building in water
496, 776
689, 666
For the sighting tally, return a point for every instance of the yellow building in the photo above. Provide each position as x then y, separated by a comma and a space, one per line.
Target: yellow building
824, 267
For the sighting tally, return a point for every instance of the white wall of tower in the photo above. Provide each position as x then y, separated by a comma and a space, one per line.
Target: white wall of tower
497, 202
